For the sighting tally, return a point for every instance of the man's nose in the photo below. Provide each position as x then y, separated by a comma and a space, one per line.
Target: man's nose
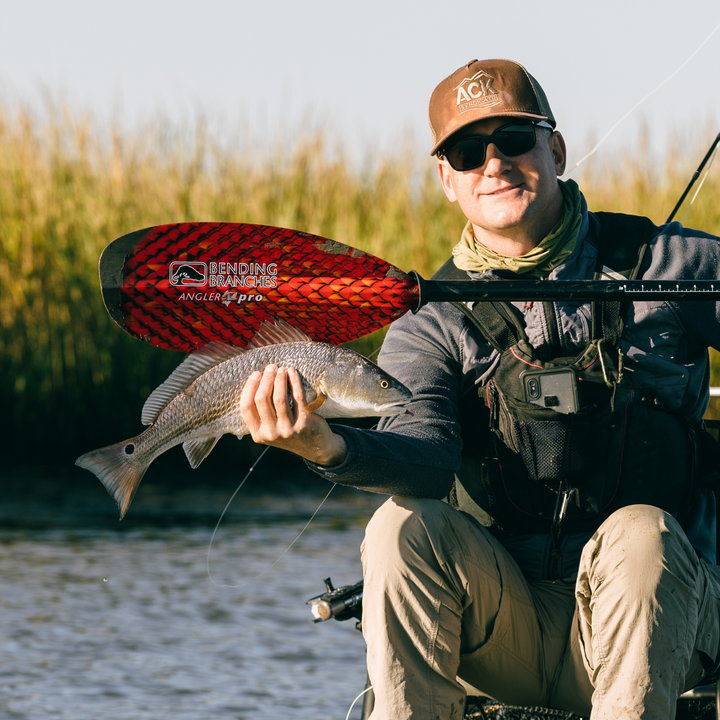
495, 162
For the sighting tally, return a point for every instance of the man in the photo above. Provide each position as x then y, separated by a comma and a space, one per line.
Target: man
581, 574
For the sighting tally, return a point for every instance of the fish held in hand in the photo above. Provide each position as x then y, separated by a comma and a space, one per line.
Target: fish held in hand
200, 401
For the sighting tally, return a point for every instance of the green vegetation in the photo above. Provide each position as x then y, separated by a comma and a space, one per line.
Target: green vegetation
69, 379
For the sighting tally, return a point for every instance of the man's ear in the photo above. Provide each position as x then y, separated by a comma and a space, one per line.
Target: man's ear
557, 147
445, 174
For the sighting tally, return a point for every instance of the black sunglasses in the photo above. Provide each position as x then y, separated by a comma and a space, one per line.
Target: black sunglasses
513, 139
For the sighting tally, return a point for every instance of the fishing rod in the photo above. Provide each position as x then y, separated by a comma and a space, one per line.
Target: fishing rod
184, 285
694, 178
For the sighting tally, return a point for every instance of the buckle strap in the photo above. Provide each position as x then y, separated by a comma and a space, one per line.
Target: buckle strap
622, 246
499, 322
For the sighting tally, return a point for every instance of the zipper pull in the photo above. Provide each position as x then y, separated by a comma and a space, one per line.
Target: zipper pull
561, 504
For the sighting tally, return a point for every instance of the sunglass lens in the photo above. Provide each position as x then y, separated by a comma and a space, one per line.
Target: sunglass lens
514, 140
467, 154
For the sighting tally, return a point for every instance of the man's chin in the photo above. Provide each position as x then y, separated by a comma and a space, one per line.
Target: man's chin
508, 224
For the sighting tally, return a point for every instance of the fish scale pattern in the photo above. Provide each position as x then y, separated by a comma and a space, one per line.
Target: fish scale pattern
333, 292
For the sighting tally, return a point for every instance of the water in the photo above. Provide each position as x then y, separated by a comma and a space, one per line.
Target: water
104, 623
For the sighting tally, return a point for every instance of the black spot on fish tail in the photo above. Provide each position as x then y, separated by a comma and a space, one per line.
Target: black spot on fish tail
118, 471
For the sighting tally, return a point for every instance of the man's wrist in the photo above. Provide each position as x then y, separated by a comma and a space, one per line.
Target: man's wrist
335, 453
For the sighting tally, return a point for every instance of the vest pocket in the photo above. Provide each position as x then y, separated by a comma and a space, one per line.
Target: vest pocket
552, 446
612, 455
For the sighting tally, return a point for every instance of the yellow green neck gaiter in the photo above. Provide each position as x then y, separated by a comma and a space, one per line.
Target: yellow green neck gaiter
469, 254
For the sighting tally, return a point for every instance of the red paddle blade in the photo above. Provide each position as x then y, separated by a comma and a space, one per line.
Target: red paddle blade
181, 286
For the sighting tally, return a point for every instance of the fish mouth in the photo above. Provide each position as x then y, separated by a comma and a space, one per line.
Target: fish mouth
391, 408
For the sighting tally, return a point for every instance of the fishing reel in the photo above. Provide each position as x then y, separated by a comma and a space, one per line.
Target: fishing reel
340, 603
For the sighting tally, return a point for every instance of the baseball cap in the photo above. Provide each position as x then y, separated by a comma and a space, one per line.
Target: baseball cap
484, 89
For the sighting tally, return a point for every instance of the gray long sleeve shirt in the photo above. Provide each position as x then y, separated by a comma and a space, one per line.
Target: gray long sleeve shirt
440, 356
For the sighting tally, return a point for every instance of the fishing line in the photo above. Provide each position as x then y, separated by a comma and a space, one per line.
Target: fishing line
307, 525
687, 210
222, 515
367, 689
637, 105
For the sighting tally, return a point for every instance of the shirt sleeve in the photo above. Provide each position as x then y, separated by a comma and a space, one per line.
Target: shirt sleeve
413, 454
680, 253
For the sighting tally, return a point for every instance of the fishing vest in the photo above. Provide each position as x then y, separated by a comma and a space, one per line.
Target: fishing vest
571, 440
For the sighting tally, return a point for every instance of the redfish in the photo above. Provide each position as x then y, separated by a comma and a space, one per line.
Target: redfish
199, 402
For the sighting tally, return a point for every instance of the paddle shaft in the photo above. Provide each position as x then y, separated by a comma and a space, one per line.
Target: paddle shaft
572, 290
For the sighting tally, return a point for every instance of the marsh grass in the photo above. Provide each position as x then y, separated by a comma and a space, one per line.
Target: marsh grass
70, 380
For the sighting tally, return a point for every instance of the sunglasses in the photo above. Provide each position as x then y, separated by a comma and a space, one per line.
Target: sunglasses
511, 140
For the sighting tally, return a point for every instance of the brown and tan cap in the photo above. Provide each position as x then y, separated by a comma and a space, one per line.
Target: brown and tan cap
484, 89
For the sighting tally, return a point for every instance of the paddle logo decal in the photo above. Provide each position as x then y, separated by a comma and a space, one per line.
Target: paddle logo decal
225, 298
243, 275
250, 276
200, 297
188, 274
477, 91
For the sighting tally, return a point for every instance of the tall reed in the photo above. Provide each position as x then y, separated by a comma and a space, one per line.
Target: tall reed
70, 379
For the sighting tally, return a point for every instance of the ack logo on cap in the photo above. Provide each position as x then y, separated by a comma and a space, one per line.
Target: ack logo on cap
476, 92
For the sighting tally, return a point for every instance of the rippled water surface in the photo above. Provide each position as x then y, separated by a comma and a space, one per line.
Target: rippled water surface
126, 624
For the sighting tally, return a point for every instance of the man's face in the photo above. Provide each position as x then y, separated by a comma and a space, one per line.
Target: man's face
515, 197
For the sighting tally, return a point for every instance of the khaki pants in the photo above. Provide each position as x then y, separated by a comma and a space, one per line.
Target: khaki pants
445, 609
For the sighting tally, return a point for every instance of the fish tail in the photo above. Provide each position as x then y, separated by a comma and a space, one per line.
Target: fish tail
117, 469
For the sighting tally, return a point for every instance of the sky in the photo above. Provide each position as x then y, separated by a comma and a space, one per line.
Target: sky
364, 71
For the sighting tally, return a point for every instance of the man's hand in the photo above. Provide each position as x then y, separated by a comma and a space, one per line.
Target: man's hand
271, 420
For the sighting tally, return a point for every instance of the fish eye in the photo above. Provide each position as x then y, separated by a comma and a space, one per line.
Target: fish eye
384, 384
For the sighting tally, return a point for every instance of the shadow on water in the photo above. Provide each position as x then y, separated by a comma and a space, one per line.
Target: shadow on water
171, 493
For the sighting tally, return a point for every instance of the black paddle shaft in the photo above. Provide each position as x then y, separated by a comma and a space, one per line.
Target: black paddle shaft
573, 290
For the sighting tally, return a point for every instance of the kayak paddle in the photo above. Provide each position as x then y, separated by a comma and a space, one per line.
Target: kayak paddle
181, 286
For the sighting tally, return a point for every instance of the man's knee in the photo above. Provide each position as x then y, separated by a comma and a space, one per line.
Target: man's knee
641, 524
428, 543
641, 528
640, 540
405, 526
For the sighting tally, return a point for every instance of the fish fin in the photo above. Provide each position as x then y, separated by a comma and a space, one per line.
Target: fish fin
197, 450
272, 332
316, 403
116, 470
195, 365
